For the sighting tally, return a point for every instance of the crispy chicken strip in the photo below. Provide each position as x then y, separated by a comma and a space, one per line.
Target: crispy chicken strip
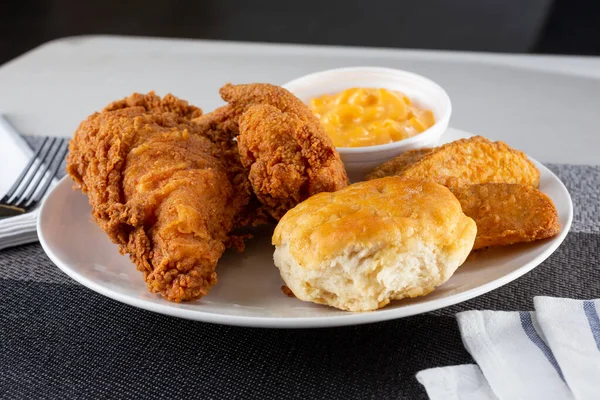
224, 121
463, 162
290, 159
288, 154
508, 213
242, 97
161, 189
222, 128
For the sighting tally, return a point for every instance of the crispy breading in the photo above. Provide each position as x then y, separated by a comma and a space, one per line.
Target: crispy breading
290, 158
161, 189
155, 104
224, 121
242, 97
221, 127
508, 213
219, 123
270, 152
463, 162
305, 151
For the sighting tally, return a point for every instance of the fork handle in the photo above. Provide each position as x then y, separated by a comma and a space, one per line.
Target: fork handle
10, 211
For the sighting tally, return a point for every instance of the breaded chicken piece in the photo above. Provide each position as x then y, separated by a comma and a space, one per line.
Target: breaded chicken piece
224, 121
463, 162
508, 213
288, 155
290, 158
220, 123
160, 189
220, 126
242, 97
154, 104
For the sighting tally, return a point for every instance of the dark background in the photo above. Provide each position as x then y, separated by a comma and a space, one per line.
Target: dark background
79, 344
519, 26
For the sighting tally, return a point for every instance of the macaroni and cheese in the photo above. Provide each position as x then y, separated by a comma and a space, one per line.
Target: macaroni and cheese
366, 117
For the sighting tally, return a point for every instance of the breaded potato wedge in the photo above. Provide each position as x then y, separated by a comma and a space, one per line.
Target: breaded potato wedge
463, 162
508, 213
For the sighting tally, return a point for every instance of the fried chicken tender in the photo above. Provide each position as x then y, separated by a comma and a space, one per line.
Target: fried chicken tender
508, 213
221, 127
281, 142
224, 121
242, 97
463, 162
162, 188
289, 158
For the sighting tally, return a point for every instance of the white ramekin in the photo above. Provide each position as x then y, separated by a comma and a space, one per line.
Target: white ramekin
361, 160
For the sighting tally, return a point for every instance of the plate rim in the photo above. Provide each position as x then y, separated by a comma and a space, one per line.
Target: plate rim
347, 319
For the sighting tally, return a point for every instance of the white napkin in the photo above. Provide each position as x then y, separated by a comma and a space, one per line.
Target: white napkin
552, 353
462, 382
512, 355
15, 153
572, 330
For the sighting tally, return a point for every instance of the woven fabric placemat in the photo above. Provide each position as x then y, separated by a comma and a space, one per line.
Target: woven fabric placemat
59, 339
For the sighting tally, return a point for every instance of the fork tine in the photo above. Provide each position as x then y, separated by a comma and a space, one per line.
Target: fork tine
19, 180
39, 175
64, 147
24, 187
57, 151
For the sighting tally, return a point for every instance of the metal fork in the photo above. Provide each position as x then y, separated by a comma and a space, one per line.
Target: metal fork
34, 181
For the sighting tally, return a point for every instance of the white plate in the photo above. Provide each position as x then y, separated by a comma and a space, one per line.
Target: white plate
248, 292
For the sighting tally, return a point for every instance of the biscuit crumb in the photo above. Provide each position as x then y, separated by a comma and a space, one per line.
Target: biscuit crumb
286, 290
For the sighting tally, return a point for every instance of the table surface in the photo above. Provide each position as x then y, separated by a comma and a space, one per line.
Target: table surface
61, 340
544, 105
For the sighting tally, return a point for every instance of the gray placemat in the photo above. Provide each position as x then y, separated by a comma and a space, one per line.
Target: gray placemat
61, 340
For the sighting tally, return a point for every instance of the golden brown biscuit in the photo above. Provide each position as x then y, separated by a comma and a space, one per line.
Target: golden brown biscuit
463, 162
508, 213
361, 247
